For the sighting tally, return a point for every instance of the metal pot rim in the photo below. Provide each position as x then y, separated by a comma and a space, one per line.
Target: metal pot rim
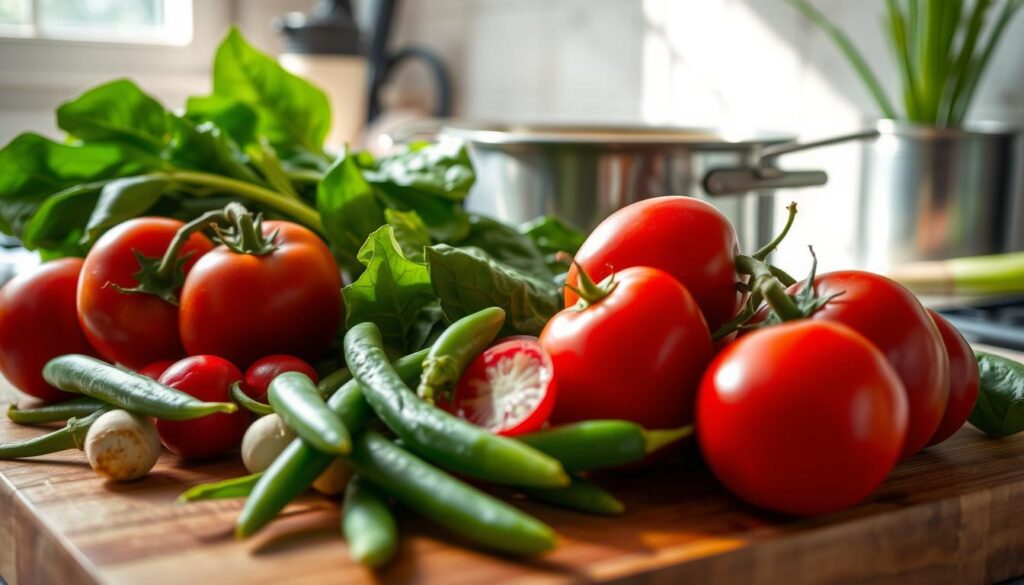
977, 128
492, 133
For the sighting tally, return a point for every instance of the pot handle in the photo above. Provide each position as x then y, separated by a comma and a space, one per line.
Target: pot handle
739, 180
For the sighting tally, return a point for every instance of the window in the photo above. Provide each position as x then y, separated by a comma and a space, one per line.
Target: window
164, 22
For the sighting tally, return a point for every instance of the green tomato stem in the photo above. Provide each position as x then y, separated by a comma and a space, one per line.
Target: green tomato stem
768, 248
774, 293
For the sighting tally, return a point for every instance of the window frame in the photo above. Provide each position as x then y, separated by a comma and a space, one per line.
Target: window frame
173, 10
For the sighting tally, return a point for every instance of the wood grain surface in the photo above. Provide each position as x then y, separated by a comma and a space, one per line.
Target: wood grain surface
952, 514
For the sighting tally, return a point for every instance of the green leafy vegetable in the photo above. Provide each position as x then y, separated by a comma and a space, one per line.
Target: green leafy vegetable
999, 410
395, 293
234, 117
551, 235
410, 232
349, 210
442, 170
116, 111
121, 200
467, 280
508, 246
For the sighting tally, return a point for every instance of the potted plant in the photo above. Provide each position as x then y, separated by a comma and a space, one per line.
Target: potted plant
933, 185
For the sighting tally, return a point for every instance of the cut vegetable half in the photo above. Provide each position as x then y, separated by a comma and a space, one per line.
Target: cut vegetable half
509, 389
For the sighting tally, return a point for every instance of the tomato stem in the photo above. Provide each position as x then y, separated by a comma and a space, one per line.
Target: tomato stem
771, 288
753, 304
246, 235
588, 292
768, 248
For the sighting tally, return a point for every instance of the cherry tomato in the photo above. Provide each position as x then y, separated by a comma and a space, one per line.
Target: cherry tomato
636, 354
246, 306
508, 389
686, 237
891, 318
133, 329
208, 378
156, 369
804, 418
39, 321
964, 379
263, 371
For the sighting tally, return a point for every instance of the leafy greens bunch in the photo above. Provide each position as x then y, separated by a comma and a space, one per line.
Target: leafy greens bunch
395, 224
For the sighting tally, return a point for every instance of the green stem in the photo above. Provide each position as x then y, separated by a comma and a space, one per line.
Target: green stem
293, 208
169, 261
766, 251
749, 310
765, 283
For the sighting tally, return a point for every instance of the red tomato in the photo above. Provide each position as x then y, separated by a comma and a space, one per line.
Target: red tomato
636, 354
38, 321
246, 306
804, 418
509, 389
263, 371
156, 369
686, 237
208, 378
964, 380
132, 329
891, 318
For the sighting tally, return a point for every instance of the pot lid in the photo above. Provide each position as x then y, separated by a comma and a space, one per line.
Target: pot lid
498, 134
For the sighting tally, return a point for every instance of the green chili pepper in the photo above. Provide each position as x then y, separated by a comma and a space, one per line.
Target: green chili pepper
333, 381
247, 402
128, 390
74, 408
597, 444
437, 435
581, 496
444, 499
236, 487
297, 401
368, 525
295, 469
455, 348
72, 436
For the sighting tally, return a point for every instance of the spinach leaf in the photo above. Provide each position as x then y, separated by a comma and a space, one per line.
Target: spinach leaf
410, 232
441, 170
116, 111
999, 410
58, 225
468, 280
349, 210
293, 114
445, 220
121, 200
551, 235
395, 293
204, 147
234, 117
505, 244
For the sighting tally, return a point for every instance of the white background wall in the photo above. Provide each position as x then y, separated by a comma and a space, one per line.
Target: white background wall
739, 64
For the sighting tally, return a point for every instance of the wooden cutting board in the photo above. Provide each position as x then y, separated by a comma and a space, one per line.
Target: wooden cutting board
952, 514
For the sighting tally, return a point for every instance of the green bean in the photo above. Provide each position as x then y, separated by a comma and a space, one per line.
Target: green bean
72, 436
440, 437
581, 496
76, 407
128, 390
597, 444
236, 487
455, 348
248, 402
331, 382
368, 525
445, 500
295, 469
297, 401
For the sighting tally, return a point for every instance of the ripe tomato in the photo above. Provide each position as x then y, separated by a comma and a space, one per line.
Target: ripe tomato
509, 389
156, 369
686, 237
208, 378
636, 354
964, 379
803, 418
133, 329
246, 306
263, 371
891, 318
38, 321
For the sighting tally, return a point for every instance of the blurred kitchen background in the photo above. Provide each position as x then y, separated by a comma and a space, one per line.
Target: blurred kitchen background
735, 65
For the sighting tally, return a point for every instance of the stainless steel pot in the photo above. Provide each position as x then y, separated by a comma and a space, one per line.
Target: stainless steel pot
933, 193
583, 174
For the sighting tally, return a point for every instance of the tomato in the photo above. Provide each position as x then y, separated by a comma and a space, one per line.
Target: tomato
245, 306
636, 354
263, 371
964, 379
156, 369
803, 418
686, 237
133, 329
891, 318
38, 321
508, 389
208, 378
